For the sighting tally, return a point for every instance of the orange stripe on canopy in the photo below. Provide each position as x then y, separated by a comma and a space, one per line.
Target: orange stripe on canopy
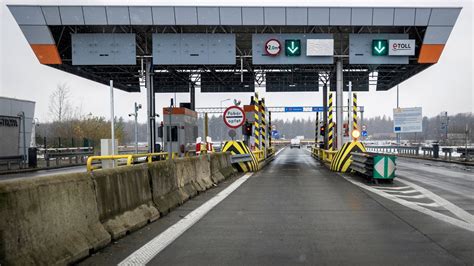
47, 54
430, 53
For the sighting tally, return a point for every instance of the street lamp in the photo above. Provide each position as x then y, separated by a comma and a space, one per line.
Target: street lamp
224, 101
22, 118
135, 114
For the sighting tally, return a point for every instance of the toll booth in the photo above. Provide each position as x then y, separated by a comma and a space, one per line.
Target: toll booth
180, 130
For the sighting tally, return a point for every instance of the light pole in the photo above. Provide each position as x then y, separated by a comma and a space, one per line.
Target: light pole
398, 106
135, 114
33, 132
22, 117
224, 101
222, 133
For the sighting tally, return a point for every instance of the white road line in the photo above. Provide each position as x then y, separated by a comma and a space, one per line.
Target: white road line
394, 188
279, 151
466, 216
403, 191
411, 196
432, 204
147, 252
434, 214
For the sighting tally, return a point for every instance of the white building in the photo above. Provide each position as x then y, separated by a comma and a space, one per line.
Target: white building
16, 122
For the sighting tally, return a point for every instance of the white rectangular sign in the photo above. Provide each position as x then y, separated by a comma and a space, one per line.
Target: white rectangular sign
401, 47
320, 47
407, 120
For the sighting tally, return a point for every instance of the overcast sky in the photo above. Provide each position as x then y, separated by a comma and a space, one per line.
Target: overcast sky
446, 86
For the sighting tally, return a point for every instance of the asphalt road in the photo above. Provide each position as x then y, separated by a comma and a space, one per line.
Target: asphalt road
295, 211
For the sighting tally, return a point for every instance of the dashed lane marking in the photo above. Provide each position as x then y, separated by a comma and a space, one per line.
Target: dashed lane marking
147, 252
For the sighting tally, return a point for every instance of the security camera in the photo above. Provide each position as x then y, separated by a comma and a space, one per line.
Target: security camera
130, 115
140, 106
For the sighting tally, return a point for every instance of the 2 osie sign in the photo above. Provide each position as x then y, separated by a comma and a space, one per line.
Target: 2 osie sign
234, 117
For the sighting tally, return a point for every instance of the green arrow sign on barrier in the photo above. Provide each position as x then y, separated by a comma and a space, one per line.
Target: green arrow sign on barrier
292, 47
384, 166
379, 47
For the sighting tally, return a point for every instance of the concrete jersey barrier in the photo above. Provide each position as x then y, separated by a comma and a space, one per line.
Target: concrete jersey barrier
59, 219
221, 167
49, 220
124, 199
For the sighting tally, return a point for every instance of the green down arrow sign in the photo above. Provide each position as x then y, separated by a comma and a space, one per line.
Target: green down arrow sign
292, 47
379, 47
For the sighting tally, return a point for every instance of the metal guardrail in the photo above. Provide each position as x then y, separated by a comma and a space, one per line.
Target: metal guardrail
412, 150
78, 155
240, 158
130, 158
362, 163
8, 160
324, 155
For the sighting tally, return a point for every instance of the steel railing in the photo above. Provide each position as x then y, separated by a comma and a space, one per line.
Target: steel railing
324, 155
126, 159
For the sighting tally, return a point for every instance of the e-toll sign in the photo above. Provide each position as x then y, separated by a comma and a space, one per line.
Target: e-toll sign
393, 47
401, 47
234, 117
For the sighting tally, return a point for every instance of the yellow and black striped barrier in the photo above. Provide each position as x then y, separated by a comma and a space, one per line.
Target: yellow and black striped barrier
354, 112
330, 124
256, 125
239, 147
263, 126
342, 159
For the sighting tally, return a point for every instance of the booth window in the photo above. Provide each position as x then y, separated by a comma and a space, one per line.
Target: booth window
174, 133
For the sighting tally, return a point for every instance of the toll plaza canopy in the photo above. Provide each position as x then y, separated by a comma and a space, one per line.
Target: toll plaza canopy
230, 49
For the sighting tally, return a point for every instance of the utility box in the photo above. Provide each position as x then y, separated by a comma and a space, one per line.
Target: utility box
180, 130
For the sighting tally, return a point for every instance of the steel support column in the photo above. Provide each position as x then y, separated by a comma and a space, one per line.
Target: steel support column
192, 97
339, 104
150, 95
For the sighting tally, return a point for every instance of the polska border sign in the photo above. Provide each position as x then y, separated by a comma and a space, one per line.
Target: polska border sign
407, 120
234, 117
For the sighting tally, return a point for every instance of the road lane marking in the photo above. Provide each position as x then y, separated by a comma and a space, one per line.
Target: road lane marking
411, 196
466, 216
148, 251
460, 223
394, 188
279, 151
431, 204
403, 192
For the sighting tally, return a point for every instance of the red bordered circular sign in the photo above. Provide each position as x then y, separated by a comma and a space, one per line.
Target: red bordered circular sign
234, 116
273, 47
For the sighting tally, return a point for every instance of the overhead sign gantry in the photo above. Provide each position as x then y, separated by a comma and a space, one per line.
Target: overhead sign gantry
234, 49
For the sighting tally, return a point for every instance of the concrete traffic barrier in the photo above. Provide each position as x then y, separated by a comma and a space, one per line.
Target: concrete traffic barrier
202, 170
164, 184
49, 220
186, 177
124, 199
221, 167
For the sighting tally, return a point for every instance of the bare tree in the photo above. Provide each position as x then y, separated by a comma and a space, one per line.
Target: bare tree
59, 105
